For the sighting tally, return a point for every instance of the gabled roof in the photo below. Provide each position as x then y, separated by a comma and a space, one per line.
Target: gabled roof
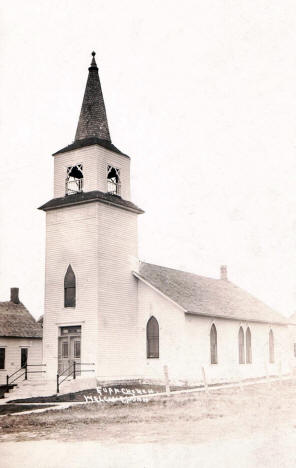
16, 321
199, 295
95, 195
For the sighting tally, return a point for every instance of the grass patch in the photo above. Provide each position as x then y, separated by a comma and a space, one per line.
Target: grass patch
10, 409
116, 390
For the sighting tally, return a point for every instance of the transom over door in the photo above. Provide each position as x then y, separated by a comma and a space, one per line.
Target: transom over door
69, 349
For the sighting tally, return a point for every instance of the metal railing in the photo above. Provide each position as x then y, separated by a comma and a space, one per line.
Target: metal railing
25, 373
74, 369
74, 185
113, 187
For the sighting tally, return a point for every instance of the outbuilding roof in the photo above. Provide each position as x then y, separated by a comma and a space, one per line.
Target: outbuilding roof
16, 321
199, 295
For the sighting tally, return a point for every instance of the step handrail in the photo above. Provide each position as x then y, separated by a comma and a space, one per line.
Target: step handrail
25, 367
74, 365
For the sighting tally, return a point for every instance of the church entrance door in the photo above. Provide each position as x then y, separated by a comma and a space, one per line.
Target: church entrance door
69, 349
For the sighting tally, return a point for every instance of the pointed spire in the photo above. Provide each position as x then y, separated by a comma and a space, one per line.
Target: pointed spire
93, 118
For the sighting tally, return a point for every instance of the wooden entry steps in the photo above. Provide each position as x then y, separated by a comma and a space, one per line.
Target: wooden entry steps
6, 389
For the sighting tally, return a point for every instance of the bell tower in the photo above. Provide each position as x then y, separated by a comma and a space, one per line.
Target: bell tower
91, 245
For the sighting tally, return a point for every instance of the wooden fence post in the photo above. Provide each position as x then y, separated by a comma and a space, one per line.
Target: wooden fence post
267, 374
240, 381
167, 382
205, 379
280, 372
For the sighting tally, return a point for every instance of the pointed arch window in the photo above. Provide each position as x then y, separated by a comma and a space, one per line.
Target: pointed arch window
271, 347
241, 346
248, 346
152, 334
69, 288
213, 345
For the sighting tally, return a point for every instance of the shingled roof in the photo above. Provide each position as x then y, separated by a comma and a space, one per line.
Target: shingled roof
95, 195
93, 118
199, 295
92, 128
16, 321
89, 142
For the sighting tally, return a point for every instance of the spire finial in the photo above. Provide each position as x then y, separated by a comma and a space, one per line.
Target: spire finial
93, 62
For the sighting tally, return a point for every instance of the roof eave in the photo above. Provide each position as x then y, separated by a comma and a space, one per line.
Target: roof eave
28, 337
237, 319
58, 205
91, 141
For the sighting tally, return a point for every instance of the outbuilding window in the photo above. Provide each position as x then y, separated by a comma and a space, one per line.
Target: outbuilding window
213, 345
271, 347
152, 333
2, 358
241, 346
69, 288
24, 357
248, 346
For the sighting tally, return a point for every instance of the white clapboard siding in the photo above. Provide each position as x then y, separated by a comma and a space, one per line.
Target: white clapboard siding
184, 344
100, 243
95, 160
13, 356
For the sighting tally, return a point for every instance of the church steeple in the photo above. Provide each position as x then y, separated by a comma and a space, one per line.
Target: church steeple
93, 118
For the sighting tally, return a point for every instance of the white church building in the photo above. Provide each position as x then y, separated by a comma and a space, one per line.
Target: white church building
121, 319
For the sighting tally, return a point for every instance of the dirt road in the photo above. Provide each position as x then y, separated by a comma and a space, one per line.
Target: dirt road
276, 450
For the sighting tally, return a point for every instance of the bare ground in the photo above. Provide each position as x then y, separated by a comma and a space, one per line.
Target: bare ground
256, 425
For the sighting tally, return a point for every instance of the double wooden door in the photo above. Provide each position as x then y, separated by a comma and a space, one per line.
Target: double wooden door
69, 352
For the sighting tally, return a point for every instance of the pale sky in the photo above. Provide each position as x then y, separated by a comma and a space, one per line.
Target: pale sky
201, 95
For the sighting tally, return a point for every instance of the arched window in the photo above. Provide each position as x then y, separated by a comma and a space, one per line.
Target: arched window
271, 347
69, 288
213, 342
152, 331
241, 346
248, 346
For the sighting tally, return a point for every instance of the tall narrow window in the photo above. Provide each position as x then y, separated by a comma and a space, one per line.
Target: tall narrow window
24, 356
113, 180
241, 346
213, 344
74, 179
2, 358
248, 346
152, 331
70, 288
271, 347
